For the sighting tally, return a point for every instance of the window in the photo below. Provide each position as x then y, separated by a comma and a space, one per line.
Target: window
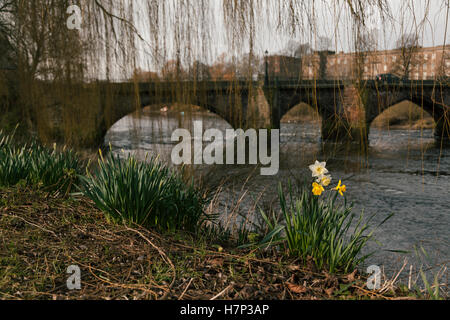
433, 56
385, 67
425, 56
394, 58
424, 65
345, 61
424, 75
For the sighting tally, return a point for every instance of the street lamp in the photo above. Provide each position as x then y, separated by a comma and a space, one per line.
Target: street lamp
266, 62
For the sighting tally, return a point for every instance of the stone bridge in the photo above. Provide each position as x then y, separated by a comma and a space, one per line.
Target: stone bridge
337, 102
228, 99
348, 108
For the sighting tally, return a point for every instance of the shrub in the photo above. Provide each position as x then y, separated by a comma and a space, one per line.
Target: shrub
145, 193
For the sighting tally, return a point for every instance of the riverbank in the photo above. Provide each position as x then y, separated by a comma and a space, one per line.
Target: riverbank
42, 235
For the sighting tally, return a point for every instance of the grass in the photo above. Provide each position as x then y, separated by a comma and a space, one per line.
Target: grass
41, 235
144, 193
323, 230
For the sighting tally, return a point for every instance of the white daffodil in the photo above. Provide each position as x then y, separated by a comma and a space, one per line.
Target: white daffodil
318, 169
324, 180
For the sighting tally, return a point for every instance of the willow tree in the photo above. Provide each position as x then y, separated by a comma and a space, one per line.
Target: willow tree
66, 76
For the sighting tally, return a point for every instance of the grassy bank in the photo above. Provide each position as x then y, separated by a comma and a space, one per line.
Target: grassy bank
138, 230
41, 235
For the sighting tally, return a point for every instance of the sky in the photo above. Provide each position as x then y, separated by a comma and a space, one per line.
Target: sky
331, 19
333, 22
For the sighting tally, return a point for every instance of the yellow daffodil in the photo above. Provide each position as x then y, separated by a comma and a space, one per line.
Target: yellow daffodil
317, 189
324, 180
318, 169
340, 188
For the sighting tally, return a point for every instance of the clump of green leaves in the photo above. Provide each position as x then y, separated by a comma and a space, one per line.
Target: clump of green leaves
38, 166
323, 229
145, 193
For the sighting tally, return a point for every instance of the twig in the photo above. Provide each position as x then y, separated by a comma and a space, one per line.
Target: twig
185, 289
30, 223
221, 292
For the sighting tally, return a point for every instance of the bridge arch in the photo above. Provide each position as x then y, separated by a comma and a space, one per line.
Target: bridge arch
301, 111
150, 130
230, 103
432, 99
174, 109
301, 98
402, 113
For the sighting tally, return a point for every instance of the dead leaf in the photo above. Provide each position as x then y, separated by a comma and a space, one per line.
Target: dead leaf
295, 288
351, 276
329, 291
293, 268
217, 262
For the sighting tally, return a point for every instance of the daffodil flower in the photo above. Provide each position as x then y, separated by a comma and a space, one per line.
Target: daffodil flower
317, 189
324, 180
318, 169
340, 188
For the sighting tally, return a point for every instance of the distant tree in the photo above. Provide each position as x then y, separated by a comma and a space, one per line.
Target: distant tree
223, 69
248, 66
323, 47
443, 70
303, 52
7, 60
199, 71
289, 49
365, 42
173, 71
144, 76
302, 49
323, 43
408, 45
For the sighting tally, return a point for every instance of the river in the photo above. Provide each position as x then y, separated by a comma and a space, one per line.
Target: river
404, 172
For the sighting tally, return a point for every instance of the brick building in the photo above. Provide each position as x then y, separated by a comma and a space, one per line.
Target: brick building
416, 64
283, 66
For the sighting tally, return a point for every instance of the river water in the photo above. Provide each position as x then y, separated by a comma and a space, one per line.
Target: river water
404, 173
